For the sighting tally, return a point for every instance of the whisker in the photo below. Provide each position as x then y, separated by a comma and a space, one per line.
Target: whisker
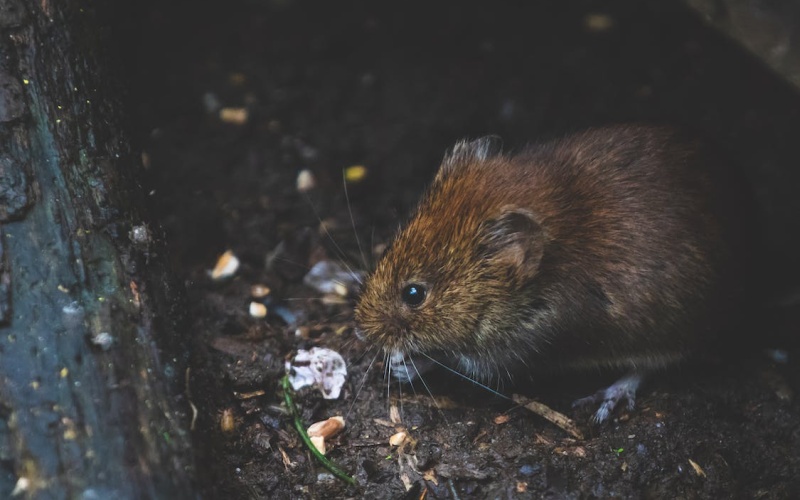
341, 253
388, 379
352, 220
435, 402
294, 263
408, 375
371, 246
400, 399
456, 372
361, 385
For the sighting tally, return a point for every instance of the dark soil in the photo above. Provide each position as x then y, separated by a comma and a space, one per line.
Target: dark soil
332, 84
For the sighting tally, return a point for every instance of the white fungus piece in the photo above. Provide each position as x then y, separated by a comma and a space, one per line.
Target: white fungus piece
329, 277
227, 265
323, 368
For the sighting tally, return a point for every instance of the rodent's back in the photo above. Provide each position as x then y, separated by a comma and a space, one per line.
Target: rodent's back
609, 247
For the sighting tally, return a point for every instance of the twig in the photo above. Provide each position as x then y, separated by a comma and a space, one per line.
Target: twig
544, 411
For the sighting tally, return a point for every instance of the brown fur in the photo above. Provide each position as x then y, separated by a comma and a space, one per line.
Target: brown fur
613, 247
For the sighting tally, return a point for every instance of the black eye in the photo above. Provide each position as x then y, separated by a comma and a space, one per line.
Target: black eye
414, 294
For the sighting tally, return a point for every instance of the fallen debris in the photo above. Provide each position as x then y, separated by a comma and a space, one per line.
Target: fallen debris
554, 417
320, 367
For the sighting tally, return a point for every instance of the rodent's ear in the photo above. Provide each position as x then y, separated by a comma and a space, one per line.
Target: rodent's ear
514, 239
466, 151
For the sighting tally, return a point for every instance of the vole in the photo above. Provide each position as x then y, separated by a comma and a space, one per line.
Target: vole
617, 247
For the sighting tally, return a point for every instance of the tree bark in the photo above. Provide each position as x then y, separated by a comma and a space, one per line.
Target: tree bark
92, 400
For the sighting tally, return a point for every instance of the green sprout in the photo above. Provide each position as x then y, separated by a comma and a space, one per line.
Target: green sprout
301, 429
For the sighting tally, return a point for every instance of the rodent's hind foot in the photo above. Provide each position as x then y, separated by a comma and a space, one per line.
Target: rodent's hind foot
623, 389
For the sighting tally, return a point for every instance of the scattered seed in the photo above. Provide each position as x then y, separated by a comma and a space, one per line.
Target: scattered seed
356, 173
235, 116
259, 291
598, 22
398, 438
319, 443
227, 423
227, 265
258, 310
305, 181
326, 428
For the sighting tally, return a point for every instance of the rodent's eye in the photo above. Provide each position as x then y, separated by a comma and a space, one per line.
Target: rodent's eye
414, 294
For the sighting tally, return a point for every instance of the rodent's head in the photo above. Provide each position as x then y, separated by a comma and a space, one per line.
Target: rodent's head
448, 282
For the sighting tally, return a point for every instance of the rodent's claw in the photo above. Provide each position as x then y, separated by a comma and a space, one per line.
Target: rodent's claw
624, 388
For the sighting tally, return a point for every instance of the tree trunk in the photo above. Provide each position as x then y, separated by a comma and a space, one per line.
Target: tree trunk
92, 400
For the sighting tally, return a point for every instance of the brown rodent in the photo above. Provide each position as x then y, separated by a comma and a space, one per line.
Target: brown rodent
615, 247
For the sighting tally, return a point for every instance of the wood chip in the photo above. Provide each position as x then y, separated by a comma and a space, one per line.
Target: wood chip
249, 395
544, 411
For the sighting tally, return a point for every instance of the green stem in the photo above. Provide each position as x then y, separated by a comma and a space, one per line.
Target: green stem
298, 424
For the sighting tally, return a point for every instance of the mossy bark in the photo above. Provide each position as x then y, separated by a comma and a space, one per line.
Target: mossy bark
92, 363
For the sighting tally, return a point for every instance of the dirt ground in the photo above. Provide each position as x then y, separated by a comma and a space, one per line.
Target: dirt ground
329, 85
